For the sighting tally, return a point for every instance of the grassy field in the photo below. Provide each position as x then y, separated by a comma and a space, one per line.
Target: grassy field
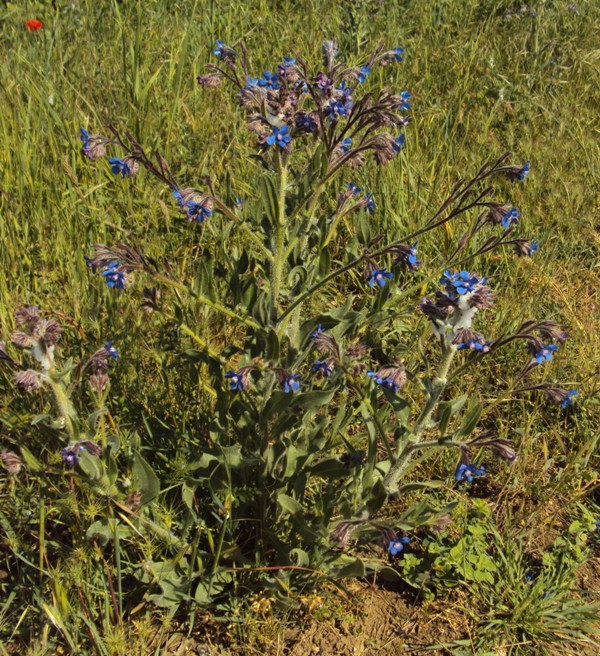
486, 77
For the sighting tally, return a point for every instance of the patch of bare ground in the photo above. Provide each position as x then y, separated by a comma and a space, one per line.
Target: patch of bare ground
372, 620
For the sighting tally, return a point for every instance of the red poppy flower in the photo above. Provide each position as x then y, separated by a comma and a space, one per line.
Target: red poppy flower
33, 25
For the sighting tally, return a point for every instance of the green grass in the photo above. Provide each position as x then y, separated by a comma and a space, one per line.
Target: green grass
481, 84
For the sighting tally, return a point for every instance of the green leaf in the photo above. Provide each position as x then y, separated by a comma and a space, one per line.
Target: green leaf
145, 480
447, 409
288, 504
33, 464
354, 569
269, 197
471, 419
90, 465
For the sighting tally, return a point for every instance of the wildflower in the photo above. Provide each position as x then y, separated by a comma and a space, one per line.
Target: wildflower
269, 81
28, 380
512, 216
404, 105
560, 396
354, 459
69, 457
394, 55
224, 53
198, 211
11, 461
345, 144
280, 136
390, 377
289, 383
99, 360
407, 256
399, 142
461, 282
253, 82
369, 203
209, 81
467, 471
396, 545
523, 248
236, 382
126, 166
98, 382
380, 276
364, 71
323, 82
352, 188
337, 108
545, 353
470, 339
323, 368
517, 172
315, 334
93, 146
115, 275
305, 122
33, 25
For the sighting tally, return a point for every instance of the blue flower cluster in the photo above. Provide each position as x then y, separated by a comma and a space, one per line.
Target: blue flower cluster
396, 545
467, 472
461, 282
115, 275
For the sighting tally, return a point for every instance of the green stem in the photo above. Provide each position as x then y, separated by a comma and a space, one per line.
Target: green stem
64, 406
278, 250
437, 387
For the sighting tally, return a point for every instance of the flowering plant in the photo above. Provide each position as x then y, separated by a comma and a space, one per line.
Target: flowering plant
318, 413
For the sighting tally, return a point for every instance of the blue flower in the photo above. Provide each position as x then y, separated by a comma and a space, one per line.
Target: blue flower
396, 545
197, 211
290, 383
545, 353
238, 201
390, 377
370, 203
398, 54
405, 96
345, 145
236, 382
305, 123
468, 471
252, 82
69, 457
119, 166
569, 398
524, 171
221, 50
364, 71
597, 524
461, 282
317, 332
111, 351
115, 275
323, 368
354, 459
337, 108
353, 188
85, 138
399, 143
512, 216
380, 276
280, 136
269, 80
288, 61
411, 259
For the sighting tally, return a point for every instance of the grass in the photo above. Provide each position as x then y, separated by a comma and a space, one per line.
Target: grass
482, 83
